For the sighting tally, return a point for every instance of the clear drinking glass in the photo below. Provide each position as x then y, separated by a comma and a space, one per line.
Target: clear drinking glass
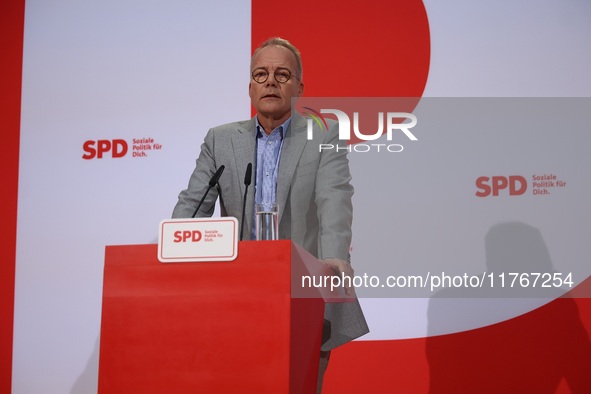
267, 222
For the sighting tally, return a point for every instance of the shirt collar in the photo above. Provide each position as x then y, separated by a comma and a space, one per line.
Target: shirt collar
284, 127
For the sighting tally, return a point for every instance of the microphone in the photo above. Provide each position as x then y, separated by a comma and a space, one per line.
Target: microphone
212, 182
216, 177
247, 180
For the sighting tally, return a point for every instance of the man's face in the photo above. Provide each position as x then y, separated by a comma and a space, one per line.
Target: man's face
271, 98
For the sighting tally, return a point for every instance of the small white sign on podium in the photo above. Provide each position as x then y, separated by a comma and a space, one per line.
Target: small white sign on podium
199, 239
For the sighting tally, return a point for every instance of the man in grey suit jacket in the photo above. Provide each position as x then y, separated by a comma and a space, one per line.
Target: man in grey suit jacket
311, 187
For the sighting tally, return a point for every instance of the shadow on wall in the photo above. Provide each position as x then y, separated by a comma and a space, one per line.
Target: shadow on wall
532, 353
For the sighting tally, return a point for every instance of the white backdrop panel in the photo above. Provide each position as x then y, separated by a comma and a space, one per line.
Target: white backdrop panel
107, 70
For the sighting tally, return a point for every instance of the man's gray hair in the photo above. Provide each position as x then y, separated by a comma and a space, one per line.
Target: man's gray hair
282, 42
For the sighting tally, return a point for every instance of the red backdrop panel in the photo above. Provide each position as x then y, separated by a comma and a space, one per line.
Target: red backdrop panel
380, 49
544, 351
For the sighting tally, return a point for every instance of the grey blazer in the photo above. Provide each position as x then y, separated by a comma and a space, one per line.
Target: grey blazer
313, 196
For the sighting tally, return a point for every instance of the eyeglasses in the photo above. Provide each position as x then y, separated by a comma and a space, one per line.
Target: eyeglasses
281, 75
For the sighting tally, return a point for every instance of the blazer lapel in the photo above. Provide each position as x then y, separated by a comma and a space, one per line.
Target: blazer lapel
243, 144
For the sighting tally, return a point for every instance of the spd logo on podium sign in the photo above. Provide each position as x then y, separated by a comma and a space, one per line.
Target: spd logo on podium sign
201, 239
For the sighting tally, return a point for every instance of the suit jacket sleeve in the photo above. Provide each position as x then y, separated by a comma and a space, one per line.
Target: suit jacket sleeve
198, 184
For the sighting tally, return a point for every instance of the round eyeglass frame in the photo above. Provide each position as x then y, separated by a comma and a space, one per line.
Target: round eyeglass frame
259, 81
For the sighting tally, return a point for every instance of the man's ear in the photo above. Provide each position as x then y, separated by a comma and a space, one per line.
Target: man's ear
300, 89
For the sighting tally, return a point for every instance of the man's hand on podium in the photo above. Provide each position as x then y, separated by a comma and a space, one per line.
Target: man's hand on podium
344, 269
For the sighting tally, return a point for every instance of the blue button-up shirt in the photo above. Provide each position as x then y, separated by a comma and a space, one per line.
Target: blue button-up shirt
268, 153
267, 164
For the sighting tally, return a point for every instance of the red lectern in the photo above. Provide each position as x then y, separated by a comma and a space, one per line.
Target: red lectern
210, 327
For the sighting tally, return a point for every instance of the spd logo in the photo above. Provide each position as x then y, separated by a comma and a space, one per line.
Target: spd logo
187, 236
97, 149
514, 185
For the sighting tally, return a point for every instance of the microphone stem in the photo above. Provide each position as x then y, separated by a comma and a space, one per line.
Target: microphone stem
201, 202
243, 213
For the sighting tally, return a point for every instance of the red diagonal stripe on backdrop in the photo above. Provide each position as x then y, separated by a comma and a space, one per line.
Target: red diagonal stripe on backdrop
11, 44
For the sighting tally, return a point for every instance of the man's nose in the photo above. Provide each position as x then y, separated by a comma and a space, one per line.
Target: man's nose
271, 81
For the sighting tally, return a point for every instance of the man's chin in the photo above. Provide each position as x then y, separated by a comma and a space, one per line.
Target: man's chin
273, 112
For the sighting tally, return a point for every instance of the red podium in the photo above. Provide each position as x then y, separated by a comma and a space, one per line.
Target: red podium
210, 327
